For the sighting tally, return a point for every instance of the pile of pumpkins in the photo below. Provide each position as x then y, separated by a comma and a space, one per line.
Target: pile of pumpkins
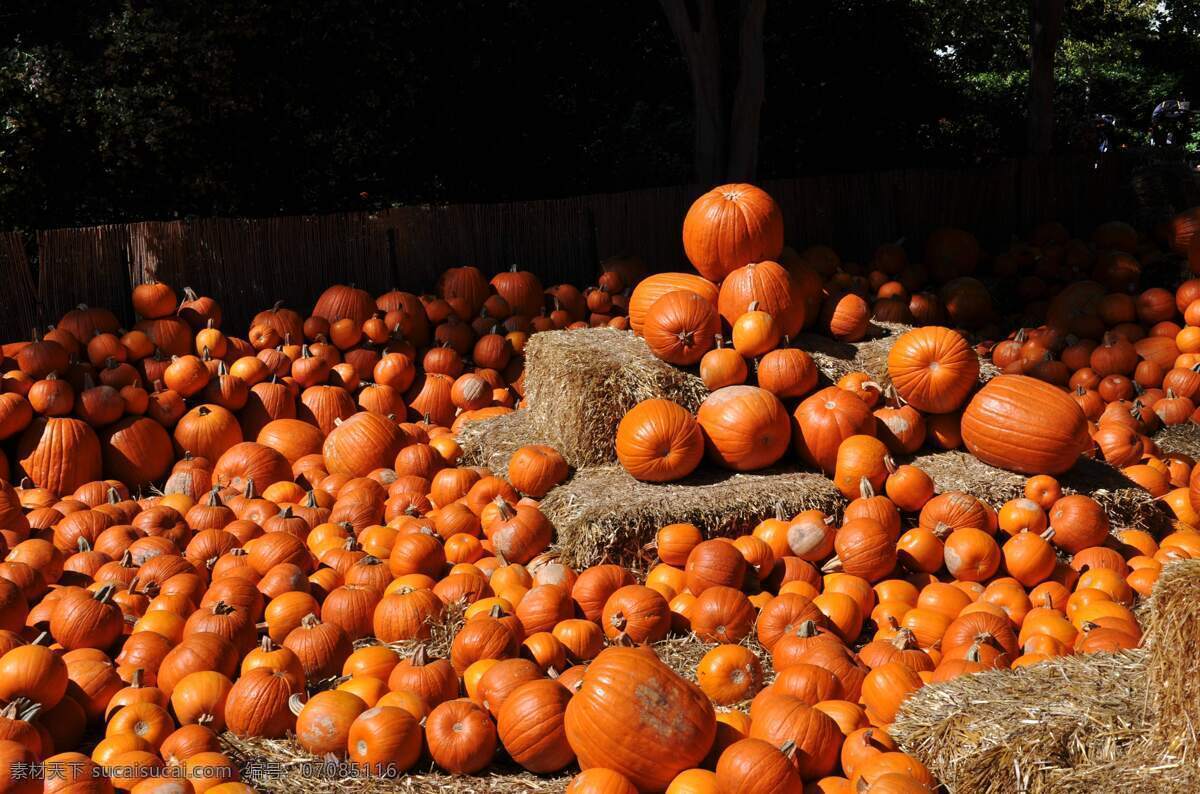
203, 533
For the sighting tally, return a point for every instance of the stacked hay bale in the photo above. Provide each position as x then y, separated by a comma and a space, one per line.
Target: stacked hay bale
1091, 723
578, 385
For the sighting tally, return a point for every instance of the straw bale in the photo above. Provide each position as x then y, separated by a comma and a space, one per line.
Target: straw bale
1172, 626
491, 442
683, 655
605, 515
1183, 439
579, 384
1127, 504
1036, 729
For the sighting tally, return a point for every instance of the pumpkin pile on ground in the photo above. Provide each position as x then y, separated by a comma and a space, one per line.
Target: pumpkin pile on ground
215, 542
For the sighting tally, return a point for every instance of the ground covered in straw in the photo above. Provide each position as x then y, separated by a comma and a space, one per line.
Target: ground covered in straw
1184, 439
1094, 723
605, 515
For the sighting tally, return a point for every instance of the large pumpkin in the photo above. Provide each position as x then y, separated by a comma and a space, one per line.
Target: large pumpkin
649, 290
250, 461
361, 444
659, 441
731, 226
824, 420
59, 454
681, 327
770, 286
340, 302
137, 451
634, 715
1025, 425
745, 427
933, 369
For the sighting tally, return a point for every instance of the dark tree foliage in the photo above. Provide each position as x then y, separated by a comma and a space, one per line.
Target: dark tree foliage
114, 110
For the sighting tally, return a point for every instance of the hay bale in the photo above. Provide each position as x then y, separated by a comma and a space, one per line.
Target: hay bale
1025, 730
491, 442
1126, 503
604, 515
1172, 629
280, 765
1100, 722
579, 384
683, 654
1183, 439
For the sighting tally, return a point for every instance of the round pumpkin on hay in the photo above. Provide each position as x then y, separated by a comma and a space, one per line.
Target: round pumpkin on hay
1025, 425
933, 369
659, 441
745, 427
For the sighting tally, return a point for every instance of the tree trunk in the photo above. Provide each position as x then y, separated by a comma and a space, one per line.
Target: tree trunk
747, 102
698, 38
1045, 31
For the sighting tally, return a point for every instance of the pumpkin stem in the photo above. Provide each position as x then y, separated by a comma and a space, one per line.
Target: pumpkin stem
942, 530
904, 640
286, 512
972, 654
420, 657
623, 640
82, 544
250, 492
788, 748
497, 612
43, 638
618, 621
1047, 535
865, 489
833, 566
104, 594
310, 621
807, 629
296, 704
214, 497
267, 644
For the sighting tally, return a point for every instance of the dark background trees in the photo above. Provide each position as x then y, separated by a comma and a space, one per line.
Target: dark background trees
127, 109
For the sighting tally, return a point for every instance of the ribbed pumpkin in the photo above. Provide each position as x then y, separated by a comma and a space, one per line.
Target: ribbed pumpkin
745, 428
770, 286
649, 290
361, 444
634, 715
536, 468
59, 454
1025, 425
250, 461
681, 327
659, 441
340, 302
731, 226
933, 369
530, 725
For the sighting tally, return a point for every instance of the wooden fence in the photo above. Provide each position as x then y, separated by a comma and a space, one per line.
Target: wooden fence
250, 263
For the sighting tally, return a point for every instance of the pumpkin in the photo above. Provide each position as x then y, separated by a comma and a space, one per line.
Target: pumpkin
824, 420
460, 736
599, 780
846, 317
649, 738
753, 766
531, 726
745, 428
638, 612
768, 286
385, 738
787, 372
33, 672
887, 687
722, 614
933, 369
59, 454
1024, 425
649, 290
731, 226
680, 327
659, 441
323, 722
817, 738
136, 451
87, 620
860, 458
1079, 522
361, 444
535, 469
865, 548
